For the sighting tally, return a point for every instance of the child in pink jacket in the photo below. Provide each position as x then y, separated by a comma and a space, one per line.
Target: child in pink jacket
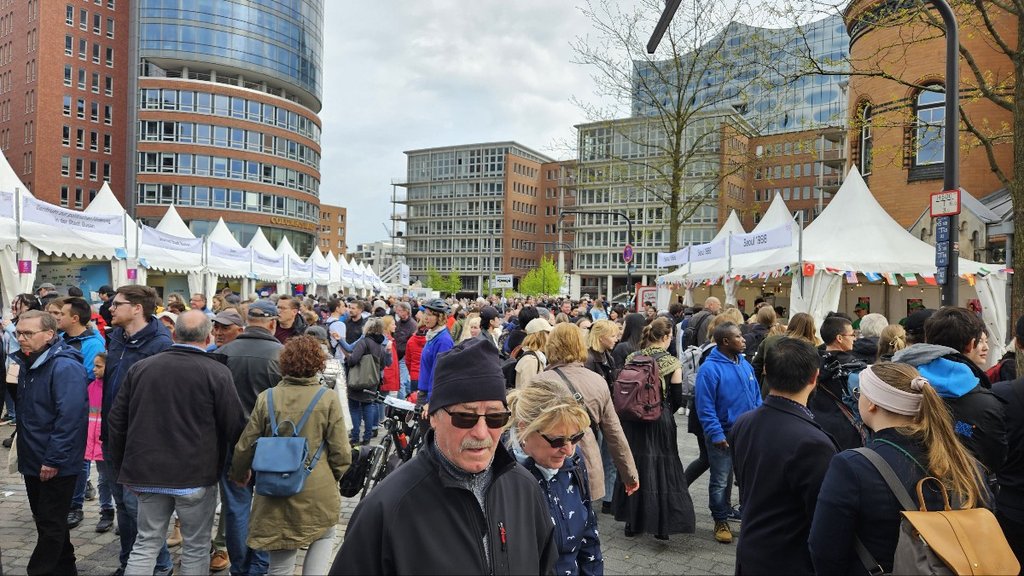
94, 448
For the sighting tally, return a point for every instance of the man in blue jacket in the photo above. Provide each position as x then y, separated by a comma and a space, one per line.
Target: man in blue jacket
781, 455
137, 334
54, 409
725, 389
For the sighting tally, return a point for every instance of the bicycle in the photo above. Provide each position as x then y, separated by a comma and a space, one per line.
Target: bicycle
401, 426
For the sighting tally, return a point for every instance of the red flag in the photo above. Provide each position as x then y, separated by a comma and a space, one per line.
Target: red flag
808, 269
929, 279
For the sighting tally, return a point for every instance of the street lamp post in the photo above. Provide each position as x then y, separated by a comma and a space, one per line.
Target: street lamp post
629, 238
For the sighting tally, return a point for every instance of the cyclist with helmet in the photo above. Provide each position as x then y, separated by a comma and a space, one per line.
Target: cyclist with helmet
439, 340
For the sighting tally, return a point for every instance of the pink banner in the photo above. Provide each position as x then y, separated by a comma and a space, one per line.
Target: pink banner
133, 273
24, 266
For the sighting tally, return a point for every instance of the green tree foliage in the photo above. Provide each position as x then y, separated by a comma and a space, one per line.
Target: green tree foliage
544, 279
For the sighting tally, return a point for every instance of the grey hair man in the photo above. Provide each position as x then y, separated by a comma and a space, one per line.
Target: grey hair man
176, 426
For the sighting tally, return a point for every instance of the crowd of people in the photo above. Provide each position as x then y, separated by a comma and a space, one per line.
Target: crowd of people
527, 445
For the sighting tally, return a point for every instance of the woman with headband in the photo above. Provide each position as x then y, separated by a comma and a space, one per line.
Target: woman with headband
913, 432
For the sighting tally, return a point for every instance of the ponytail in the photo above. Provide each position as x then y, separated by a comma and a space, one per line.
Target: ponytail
655, 332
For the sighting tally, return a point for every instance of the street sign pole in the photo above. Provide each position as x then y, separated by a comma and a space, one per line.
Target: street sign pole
951, 147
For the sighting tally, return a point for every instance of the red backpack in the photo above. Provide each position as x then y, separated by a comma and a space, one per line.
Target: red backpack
636, 393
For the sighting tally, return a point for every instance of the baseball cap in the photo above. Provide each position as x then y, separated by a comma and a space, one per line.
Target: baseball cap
263, 309
166, 314
229, 317
538, 325
46, 285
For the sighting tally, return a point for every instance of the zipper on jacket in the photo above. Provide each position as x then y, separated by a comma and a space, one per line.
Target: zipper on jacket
504, 536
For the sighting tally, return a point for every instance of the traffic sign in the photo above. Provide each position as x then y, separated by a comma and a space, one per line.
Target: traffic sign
627, 253
942, 254
942, 229
945, 203
940, 276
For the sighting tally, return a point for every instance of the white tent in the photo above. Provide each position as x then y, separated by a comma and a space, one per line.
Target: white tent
106, 203
170, 247
11, 249
334, 285
298, 272
698, 270
321, 268
226, 258
267, 264
348, 273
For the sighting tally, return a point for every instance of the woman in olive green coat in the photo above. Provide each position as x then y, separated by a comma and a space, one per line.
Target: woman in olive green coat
284, 525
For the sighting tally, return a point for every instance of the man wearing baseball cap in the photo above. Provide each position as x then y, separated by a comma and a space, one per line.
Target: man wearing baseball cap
227, 325
463, 501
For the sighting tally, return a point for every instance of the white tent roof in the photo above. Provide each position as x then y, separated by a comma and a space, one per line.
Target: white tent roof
169, 260
321, 267
266, 269
9, 183
299, 272
223, 265
71, 241
855, 233
336, 269
702, 269
348, 272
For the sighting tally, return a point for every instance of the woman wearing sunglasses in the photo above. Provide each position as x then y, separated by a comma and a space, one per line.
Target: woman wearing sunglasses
546, 428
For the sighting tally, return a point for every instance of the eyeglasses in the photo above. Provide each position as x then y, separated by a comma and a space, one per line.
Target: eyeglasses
115, 303
468, 420
559, 441
26, 334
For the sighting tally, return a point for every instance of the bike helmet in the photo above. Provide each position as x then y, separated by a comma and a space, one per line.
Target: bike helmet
436, 305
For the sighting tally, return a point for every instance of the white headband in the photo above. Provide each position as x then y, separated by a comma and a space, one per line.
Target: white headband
890, 398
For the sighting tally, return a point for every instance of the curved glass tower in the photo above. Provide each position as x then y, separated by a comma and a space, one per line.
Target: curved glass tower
227, 100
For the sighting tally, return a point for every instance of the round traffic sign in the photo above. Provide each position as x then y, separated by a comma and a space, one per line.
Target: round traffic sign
627, 253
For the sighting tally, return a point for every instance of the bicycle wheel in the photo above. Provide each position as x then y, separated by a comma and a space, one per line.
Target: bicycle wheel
368, 483
380, 468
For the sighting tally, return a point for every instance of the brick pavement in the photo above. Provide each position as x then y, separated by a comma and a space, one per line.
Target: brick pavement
682, 554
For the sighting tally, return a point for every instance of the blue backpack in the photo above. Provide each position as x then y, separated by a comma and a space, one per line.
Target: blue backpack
280, 461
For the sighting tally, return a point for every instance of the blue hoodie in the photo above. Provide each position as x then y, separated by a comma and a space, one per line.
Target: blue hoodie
724, 391
89, 343
53, 411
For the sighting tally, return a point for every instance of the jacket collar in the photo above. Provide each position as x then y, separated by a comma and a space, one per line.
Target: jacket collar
56, 347
503, 462
152, 329
299, 381
256, 333
783, 405
89, 333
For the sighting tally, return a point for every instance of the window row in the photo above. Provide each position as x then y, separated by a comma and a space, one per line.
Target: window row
459, 190
524, 207
228, 199
65, 199
80, 140
84, 20
80, 166
222, 167
83, 84
228, 106
83, 50
222, 136
80, 106
458, 227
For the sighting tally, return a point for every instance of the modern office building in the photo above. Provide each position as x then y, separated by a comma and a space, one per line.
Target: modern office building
479, 209
333, 223
64, 96
380, 255
225, 122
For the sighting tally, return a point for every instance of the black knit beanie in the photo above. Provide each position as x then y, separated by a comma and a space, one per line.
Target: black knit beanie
469, 372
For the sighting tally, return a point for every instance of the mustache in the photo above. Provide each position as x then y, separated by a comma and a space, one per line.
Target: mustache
471, 444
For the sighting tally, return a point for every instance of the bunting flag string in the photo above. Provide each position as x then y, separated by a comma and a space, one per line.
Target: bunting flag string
911, 279
851, 277
929, 279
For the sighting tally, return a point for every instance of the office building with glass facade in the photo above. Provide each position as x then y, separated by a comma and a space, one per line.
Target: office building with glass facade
226, 125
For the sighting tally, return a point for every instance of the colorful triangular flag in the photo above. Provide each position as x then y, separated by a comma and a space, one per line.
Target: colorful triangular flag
873, 276
982, 272
929, 279
891, 278
970, 279
911, 279
808, 269
851, 277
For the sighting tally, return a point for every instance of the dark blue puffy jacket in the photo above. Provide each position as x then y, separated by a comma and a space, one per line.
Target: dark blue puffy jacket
53, 411
123, 352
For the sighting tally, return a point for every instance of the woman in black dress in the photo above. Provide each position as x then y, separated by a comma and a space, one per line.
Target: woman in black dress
662, 506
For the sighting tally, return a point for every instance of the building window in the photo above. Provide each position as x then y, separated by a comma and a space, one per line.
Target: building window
865, 140
69, 18
69, 45
928, 134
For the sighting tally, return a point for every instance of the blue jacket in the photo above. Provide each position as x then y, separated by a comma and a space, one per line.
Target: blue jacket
122, 353
53, 411
434, 348
568, 498
89, 343
724, 391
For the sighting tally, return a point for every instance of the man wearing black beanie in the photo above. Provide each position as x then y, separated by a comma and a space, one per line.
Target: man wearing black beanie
463, 503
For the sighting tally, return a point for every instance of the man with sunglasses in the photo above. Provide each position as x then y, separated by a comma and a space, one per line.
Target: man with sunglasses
137, 334
463, 504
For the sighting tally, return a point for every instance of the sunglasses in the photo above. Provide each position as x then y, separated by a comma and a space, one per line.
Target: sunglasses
559, 441
468, 420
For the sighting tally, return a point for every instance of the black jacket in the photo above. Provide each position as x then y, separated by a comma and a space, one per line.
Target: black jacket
372, 345
602, 364
171, 427
1010, 499
754, 336
417, 521
354, 329
780, 455
252, 358
827, 406
403, 331
123, 352
866, 349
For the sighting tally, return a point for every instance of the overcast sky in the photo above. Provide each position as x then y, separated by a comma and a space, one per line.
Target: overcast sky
405, 75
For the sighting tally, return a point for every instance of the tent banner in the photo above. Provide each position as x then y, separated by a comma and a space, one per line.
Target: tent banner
258, 258
324, 270
6, 204
298, 266
158, 239
780, 237
40, 212
710, 251
229, 252
348, 273
677, 258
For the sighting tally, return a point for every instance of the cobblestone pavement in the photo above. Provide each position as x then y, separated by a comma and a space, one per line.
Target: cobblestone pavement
683, 554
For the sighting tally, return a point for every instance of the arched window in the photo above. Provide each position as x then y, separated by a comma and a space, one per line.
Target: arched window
865, 139
929, 108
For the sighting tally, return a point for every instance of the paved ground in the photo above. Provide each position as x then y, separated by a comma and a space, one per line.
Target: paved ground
683, 554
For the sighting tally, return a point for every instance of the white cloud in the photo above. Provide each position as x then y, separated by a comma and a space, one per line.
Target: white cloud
405, 75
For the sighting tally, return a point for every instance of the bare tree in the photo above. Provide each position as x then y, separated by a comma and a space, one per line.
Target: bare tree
674, 146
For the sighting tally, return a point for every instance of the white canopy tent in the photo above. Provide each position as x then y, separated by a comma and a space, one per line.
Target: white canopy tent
298, 272
11, 249
334, 285
171, 247
267, 264
106, 203
348, 273
225, 258
321, 269
697, 270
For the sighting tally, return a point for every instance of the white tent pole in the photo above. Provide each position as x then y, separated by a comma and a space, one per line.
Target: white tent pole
800, 251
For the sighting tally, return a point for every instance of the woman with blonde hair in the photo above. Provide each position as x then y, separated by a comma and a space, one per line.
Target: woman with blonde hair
470, 328
565, 353
601, 340
892, 340
545, 430
532, 359
662, 505
913, 434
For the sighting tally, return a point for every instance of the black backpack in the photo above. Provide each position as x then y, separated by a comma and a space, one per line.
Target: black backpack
693, 327
354, 478
508, 369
